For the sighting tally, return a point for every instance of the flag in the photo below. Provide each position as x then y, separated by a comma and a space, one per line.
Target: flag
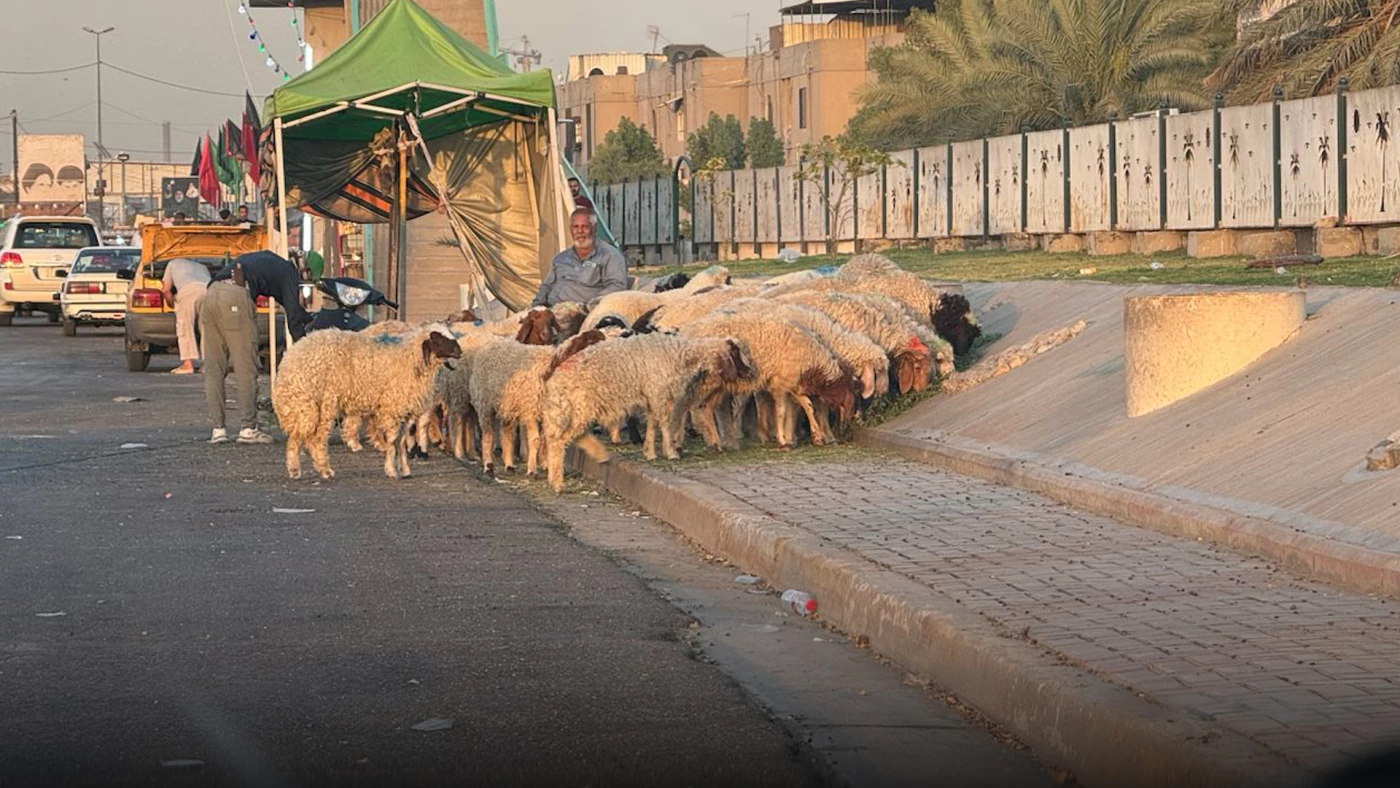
198, 159
227, 169
208, 178
252, 131
234, 139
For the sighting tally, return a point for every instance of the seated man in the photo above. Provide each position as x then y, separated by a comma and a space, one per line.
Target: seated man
586, 270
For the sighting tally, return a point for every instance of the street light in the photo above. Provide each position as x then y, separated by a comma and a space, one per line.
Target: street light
123, 157
101, 151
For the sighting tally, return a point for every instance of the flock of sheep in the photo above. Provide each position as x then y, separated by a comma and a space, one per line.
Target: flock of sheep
695, 356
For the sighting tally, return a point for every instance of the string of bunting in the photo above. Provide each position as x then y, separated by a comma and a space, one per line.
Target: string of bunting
256, 37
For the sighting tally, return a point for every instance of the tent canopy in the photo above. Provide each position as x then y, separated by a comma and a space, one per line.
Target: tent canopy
405, 61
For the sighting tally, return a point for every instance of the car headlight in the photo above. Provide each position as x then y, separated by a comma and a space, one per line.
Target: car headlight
350, 296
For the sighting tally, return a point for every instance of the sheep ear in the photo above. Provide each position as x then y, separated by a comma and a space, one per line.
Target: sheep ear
905, 372
427, 351
523, 335
643, 324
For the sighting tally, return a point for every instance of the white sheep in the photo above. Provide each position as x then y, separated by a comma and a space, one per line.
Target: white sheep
912, 360
507, 391
629, 305
789, 361
609, 380
386, 377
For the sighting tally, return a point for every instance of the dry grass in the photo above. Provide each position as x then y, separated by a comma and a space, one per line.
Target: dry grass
1176, 268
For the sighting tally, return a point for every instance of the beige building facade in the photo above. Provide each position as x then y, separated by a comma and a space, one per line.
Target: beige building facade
805, 84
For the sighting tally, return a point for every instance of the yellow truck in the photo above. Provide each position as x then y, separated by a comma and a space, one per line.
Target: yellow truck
150, 319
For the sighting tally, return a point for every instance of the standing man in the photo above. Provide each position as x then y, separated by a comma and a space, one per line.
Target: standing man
230, 333
584, 271
185, 283
243, 214
580, 199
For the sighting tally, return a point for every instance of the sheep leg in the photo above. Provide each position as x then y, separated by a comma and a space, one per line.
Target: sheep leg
532, 447
319, 447
702, 417
404, 470
672, 430
488, 443
391, 448
455, 431
780, 420
350, 432
818, 429
615, 432
555, 444
293, 456
470, 431
764, 412
508, 439
649, 439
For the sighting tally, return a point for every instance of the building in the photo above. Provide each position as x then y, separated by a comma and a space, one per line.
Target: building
815, 59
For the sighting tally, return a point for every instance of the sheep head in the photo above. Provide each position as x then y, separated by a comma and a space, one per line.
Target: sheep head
673, 282
440, 346
570, 316
464, 316
954, 321
538, 327
836, 391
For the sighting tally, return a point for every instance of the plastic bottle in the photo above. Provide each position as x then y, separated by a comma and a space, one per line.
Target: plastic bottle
801, 602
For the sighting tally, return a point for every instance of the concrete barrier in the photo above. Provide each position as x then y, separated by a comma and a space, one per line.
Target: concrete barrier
1175, 345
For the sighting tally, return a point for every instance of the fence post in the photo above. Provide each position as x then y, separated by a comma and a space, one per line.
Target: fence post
1162, 165
778, 204
855, 215
1065, 171
802, 208
1342, 150
826, 203
1278, 157
948, 190
756, 250
622, 212
656, 212
1113, 170
1217, 186
676, 206
734, 213
1025, 143
885, 201
986, 189
915, 196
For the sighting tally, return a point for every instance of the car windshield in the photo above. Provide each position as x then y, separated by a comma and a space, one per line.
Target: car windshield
55, 235
106, 261
214, 264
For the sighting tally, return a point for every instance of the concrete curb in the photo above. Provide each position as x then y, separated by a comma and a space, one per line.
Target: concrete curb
1103, 733
1335, 562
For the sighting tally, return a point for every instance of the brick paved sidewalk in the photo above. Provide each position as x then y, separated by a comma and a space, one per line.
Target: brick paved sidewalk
1302, 669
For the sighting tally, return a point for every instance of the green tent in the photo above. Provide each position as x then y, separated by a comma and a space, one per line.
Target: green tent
476, 141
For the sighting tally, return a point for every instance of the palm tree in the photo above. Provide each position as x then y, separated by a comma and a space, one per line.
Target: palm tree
1305, 46
983, 67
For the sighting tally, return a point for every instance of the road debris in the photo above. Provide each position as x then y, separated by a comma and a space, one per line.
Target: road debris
280, 510
128, 399
748, 580
133, 446
433, 724
55, 614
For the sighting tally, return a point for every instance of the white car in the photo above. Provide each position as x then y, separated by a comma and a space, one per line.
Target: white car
92, 293
32, 250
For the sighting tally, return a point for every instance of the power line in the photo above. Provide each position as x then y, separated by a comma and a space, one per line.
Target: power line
50, 70
139, 75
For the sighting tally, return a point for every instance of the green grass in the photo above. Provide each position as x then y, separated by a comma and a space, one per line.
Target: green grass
1177, 268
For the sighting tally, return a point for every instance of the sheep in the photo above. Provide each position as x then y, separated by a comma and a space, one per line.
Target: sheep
607, 381
885, 323
507, 391
867, 265
675, 314
388, 377
629, 305
453, 392
789, 362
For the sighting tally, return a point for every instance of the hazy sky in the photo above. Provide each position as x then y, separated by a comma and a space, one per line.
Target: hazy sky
204, 44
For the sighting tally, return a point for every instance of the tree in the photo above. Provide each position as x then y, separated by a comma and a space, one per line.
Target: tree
1307, 45
722, 139
628, 152
847, 161
765, 149
983, 67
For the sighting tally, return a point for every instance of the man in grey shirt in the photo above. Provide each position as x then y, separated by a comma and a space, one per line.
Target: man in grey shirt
585, 270
185, 283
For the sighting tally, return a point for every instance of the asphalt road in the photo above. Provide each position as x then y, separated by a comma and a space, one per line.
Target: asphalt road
154, 610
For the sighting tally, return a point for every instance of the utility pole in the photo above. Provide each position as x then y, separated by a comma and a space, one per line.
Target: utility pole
165, 140
745, 15
101, 149
14, 140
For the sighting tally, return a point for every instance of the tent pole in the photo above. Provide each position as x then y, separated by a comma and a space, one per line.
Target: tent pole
401, 226
281, 246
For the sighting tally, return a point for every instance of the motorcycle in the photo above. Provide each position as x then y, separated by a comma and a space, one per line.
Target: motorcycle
348, 294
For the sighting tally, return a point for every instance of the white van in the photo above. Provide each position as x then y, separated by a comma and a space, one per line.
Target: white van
32, 250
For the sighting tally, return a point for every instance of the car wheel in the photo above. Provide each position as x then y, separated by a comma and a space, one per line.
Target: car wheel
70, 328
54, 317
7, 318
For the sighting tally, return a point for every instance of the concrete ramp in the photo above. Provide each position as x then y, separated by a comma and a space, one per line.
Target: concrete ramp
1285, 438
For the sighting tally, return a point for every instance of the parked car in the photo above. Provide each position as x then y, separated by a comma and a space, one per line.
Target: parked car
32, 250
93, 293
150, 319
